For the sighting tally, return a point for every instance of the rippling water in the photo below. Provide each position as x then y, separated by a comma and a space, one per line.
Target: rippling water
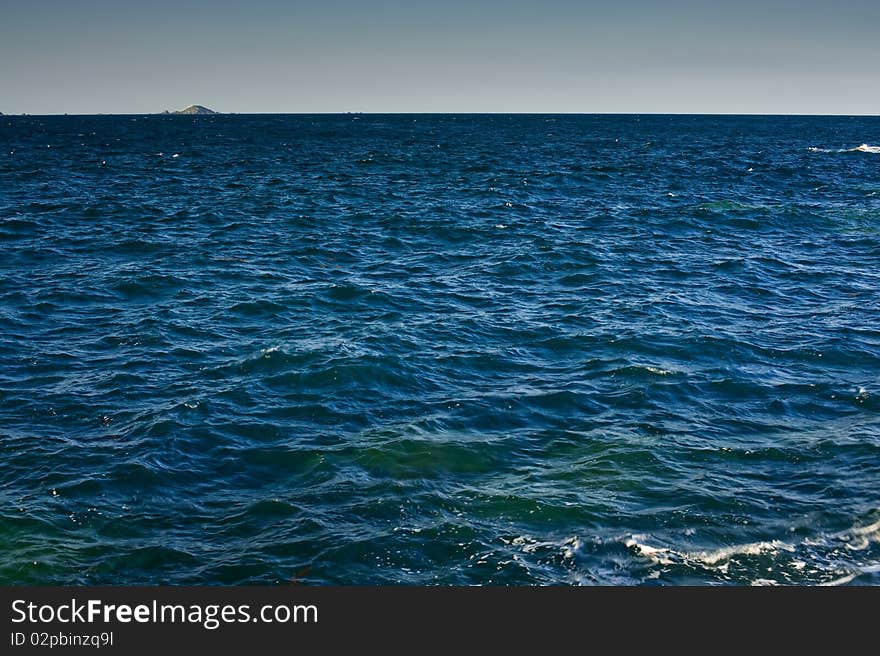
439, 349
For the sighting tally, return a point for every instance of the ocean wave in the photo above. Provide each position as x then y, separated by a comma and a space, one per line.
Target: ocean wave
864, 148
271, 355
824, 554
669, 556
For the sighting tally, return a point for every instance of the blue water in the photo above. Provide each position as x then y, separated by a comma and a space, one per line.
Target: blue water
439, 349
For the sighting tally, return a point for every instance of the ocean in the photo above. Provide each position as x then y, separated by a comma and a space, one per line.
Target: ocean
440, 349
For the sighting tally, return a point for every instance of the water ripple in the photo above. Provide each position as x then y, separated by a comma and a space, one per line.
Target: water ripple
581, 350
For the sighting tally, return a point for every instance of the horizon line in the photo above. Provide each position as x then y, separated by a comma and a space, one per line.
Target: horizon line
442, 113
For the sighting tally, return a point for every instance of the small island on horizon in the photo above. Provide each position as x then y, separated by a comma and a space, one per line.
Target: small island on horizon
198, 110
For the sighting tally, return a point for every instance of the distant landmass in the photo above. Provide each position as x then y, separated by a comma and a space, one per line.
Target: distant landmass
194, 109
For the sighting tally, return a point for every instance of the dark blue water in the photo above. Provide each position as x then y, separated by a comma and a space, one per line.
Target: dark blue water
439, 349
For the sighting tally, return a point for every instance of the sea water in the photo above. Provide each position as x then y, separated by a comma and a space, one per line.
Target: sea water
439, 349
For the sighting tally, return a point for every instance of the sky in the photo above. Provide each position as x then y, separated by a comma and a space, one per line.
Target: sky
639, 56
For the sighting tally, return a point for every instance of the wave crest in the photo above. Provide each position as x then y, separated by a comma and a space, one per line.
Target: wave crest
864, 148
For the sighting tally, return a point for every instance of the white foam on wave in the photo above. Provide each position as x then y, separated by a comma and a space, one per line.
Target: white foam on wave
750, 549
660, 555
665, 556
871, 529
859, 538
864, 148
855, 538
873, 568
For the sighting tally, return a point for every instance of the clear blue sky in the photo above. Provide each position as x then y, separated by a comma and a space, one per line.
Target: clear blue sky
769, 56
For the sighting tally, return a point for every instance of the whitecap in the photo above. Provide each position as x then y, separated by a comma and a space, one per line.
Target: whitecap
571, 547
660, 555
717, 557
750, 549
864, 148
873, 568
821, 551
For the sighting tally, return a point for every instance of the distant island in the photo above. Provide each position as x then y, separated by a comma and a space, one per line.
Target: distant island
193, 109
